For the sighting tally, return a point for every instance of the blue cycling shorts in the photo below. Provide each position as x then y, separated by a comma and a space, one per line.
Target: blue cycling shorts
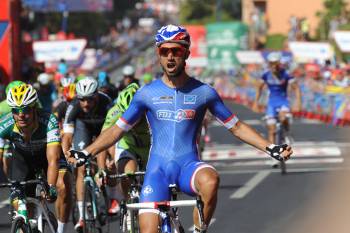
161, 173
273, 108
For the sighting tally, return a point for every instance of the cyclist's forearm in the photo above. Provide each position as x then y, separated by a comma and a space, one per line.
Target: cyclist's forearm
101, 159
66, 142
53, 154
257, 94
249, 135
105, 140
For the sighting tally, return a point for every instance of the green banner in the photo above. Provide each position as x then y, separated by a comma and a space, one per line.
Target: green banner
223, 40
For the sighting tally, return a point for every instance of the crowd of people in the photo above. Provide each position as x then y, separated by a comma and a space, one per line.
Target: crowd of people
324, 89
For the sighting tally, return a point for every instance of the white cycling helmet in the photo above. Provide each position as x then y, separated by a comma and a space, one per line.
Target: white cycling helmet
274, 57
86, 87
44, 78
128, 70
22, 96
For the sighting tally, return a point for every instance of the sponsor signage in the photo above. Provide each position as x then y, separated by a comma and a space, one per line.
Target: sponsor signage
249, 57
53, 51
311, 51
198, 56
342, 38
69, 5
223, 41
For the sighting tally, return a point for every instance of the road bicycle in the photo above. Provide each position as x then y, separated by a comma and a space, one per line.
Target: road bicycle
95, 203
43, 220
128, 218
169, 211
281, 137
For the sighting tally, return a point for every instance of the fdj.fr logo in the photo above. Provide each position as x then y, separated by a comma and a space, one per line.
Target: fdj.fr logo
179, 115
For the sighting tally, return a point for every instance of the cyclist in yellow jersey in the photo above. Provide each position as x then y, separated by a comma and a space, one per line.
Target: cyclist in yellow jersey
35, 139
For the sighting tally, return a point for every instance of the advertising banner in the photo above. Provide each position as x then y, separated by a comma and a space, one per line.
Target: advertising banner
342, 38
224, 40
53, 51
68, 5
10, 53
287, 56
198, 56
249, 57
304, 52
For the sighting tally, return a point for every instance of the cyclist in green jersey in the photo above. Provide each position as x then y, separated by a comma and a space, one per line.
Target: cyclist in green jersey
131, 152
35, 139
5, 151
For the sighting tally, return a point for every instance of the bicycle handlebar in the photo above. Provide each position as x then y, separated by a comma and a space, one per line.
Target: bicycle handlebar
162, 204
27, 182
127, 175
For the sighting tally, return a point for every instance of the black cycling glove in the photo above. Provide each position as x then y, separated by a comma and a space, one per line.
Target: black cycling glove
275, 151
80, 156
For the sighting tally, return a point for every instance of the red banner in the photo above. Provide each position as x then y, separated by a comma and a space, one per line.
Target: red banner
198, 49
9, 40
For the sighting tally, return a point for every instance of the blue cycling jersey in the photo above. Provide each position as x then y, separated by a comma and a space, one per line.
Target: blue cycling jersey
277, 86
175, 116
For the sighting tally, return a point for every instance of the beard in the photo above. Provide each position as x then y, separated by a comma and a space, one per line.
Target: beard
178, 71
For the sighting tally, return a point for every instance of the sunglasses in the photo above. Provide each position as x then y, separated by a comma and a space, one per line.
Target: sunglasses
24, 110
88, 99
176, 51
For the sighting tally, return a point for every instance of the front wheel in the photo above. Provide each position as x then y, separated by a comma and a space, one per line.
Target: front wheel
19, 226
279, 139
51, 221
89, 212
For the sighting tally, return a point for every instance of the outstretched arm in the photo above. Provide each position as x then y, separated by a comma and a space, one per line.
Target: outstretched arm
249, 135
252, 137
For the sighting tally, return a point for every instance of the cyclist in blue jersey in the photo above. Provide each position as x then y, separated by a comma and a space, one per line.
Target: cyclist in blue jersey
277, 80
175, 106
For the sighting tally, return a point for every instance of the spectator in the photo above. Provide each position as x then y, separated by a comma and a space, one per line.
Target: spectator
128, 77
62, 67
105, 86
47, 92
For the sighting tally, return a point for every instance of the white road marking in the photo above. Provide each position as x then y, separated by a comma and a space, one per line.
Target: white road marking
301, 161
252, 153
250, 185
4, 203
191, 229
289, 170
255, 122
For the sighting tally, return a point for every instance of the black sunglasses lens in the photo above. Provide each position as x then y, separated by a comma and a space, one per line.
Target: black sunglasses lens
24, 110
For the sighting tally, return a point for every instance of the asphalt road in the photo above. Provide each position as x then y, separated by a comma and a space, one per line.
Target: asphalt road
255, 198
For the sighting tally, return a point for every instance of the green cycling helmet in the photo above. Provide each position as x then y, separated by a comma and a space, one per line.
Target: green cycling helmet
12, 85
125, 97
147, 78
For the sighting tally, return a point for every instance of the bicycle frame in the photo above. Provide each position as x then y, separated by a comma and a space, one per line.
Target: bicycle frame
169, 210
42, 211
134, 195
90, 183
38, 202
166, 213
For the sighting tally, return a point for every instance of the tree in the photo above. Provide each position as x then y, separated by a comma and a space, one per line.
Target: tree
202, 12
333, 10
